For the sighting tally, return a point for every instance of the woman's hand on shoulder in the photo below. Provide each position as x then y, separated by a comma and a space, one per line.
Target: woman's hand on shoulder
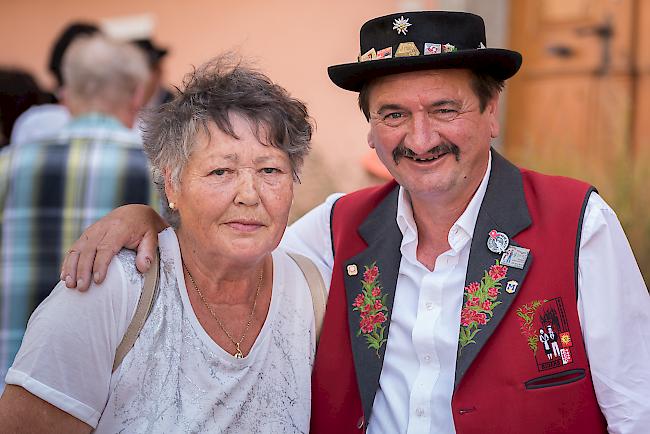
129, 226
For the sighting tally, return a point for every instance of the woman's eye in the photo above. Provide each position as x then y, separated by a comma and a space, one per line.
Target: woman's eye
219, 172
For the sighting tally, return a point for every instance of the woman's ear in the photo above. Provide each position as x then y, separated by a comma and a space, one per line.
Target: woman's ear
170, 190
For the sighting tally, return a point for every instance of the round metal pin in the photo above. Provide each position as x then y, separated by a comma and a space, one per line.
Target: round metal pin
497, 242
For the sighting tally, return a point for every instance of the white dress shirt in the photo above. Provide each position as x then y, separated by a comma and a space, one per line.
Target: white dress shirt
417, 377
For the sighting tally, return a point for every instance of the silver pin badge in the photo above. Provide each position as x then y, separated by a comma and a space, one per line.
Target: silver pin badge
511, 286
515, 257
497, 242
352, 270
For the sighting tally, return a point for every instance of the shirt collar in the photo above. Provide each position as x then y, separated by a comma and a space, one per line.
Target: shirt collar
466, 222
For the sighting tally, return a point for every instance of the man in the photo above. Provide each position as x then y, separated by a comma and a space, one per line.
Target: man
156, 93
441, 279
47, 119
52, 189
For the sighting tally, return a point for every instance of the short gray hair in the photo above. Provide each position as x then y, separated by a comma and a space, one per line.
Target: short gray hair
209, 95
102, 74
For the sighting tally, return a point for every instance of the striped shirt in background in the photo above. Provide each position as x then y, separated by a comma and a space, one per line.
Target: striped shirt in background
50, 191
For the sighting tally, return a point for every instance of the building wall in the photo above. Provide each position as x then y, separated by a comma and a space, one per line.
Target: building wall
292, 40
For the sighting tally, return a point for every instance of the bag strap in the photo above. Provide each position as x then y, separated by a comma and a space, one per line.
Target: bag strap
316, 287
142, 311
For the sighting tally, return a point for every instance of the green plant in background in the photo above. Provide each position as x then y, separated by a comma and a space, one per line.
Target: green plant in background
623, 180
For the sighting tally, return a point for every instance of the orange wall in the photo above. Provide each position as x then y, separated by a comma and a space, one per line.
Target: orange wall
293, 41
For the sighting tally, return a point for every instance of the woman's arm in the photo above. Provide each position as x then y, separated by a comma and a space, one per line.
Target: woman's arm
22, 412
129, 226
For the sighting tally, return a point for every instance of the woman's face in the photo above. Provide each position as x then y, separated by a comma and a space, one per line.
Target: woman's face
234, 195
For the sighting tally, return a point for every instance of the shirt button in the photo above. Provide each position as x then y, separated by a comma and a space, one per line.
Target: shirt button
427, 358
428, 305
360, 422
419, 412
454, 230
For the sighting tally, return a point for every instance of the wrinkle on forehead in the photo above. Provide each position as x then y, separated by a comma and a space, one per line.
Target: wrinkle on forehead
426, 88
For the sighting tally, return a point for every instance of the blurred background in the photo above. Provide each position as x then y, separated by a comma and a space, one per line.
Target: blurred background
579, 107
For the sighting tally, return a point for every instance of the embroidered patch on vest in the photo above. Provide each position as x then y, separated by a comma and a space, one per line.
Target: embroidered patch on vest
371, 304
546, 329
480, 301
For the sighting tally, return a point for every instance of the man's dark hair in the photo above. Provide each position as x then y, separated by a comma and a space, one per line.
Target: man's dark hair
485, 87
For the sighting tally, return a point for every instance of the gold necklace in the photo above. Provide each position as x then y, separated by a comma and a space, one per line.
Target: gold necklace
238, 354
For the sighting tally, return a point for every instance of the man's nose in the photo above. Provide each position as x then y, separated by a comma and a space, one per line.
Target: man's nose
247, 188
423, 134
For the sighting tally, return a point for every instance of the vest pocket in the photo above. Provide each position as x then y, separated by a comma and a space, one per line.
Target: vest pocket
557, 379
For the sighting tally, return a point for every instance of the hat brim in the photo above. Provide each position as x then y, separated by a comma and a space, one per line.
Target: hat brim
497, 62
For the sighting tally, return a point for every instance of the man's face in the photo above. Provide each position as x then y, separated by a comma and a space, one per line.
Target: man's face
429, 132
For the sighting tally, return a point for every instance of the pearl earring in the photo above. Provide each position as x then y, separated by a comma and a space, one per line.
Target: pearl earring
172, 205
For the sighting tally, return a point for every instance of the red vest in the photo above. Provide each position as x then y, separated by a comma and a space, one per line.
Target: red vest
515, 378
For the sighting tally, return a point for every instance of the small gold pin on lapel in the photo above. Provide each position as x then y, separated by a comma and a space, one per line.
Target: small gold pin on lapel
352, 270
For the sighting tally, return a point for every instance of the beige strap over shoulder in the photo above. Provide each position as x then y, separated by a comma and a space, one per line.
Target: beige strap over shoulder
316, 287
141, 314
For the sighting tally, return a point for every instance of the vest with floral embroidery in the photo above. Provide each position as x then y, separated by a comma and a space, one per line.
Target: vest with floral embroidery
522, 365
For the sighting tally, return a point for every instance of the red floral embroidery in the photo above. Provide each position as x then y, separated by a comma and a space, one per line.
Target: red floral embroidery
498, 272
371, 305
526, 314
472, 288
480, 301
370, 274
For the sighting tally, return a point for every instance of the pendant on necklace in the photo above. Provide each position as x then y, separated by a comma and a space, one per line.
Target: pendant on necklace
238, 354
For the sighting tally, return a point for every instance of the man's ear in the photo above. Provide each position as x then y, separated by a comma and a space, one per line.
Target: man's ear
137, 99
371, 141
492, 110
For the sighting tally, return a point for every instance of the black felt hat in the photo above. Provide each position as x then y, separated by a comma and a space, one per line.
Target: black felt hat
412, 41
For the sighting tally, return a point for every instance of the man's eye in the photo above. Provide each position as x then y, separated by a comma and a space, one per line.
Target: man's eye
445, 113
270, 170
393, 116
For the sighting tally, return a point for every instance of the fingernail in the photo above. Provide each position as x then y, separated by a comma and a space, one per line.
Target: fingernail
96, 277
79, 282
148, 259
69, 282
61, 276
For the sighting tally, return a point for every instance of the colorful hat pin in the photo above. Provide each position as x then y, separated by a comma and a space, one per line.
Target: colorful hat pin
497, 242
401, 25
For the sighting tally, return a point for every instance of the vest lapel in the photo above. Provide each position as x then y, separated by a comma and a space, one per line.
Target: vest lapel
503, 209
383, 237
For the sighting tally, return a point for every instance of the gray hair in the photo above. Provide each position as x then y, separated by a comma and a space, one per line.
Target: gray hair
209, 95
102, 74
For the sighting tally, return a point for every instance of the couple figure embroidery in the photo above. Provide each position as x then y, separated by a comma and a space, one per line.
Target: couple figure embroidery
549, 339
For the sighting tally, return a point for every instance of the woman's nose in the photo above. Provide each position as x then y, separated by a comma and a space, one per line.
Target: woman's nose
247, 193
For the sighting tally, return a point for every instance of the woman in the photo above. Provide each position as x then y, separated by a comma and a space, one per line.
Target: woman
224, 348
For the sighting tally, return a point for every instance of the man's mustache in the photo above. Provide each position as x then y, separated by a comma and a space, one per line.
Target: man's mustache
444, 148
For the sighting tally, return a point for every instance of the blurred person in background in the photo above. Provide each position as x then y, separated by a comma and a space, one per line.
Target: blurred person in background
157, 93
46, 119
229, 343
18, 92
53, 188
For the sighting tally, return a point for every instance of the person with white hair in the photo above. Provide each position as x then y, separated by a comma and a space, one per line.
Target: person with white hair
52, 188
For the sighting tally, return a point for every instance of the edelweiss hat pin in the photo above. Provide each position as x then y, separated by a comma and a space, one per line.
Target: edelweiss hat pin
412, 41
